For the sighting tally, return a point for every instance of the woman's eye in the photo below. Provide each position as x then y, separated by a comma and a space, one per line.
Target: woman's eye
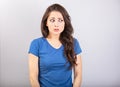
52, 20
60, 20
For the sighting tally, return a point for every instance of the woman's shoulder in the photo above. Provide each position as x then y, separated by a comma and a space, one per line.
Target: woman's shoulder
38, 40
77, 46
75, 40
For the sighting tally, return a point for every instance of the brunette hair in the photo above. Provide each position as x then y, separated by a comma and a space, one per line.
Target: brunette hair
66, 37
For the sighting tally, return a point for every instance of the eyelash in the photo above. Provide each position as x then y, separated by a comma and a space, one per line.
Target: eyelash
52, 20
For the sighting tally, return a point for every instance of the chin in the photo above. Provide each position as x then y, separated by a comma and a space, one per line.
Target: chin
58, 33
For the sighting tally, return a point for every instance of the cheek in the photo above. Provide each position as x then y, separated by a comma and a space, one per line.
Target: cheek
50, 27
63, 26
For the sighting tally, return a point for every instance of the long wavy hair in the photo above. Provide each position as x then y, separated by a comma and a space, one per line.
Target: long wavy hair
66, 37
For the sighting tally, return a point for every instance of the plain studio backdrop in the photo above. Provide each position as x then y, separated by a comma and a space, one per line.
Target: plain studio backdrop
96, 25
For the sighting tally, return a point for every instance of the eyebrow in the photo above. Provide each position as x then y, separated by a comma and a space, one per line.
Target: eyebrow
52, 17
57, 18
61, 18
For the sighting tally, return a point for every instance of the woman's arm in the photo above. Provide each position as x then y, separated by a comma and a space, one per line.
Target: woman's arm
78, 72
33, 70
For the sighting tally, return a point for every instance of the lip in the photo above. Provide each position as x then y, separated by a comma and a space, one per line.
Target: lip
56, 29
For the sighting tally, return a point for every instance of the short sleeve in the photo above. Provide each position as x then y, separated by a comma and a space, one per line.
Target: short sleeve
34, 48
77, 47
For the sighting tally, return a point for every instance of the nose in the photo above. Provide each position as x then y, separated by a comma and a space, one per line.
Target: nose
56, 24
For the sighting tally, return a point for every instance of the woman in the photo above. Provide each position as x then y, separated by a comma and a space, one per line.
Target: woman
52, 57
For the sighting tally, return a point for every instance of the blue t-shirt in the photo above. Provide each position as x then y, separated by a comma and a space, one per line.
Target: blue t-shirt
53, 69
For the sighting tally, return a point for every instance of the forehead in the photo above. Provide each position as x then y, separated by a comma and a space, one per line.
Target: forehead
55, 14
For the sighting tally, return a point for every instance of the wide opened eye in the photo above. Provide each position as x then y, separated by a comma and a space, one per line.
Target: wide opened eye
52, 20
60, 20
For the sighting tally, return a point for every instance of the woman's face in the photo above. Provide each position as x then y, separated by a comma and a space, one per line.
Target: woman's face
55, 23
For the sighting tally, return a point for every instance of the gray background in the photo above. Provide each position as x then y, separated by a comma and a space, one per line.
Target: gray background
97, 27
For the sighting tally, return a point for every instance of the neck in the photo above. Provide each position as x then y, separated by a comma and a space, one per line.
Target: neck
54, 37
